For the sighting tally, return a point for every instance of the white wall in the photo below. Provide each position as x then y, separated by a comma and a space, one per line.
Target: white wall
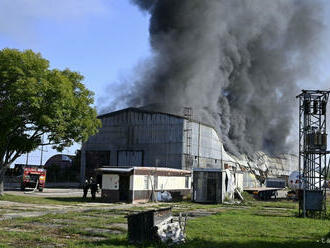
164, 182
110, 181
170, 183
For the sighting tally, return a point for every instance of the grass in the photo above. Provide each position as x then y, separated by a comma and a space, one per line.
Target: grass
242, 228
254, 224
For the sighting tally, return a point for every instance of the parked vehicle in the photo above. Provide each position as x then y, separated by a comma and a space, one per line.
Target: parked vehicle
33, 177
263, 193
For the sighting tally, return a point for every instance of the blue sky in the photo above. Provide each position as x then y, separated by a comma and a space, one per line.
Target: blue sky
102, 39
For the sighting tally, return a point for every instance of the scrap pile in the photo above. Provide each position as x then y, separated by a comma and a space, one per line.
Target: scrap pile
156, 225
171, 231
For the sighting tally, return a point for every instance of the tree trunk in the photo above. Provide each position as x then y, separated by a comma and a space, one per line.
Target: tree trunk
1, 185
1, 188
2, 177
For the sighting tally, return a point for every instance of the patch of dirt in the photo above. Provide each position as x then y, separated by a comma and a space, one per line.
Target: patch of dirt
118, 226
22, 214
92, 238
15, 229
48, 225
102, 231
89, 217
63, 222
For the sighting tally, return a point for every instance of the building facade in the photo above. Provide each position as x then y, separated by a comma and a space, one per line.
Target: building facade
135, 137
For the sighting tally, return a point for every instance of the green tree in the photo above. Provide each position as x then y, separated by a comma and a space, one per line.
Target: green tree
37, 101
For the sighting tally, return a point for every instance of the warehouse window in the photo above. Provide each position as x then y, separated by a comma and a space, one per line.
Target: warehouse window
146, 183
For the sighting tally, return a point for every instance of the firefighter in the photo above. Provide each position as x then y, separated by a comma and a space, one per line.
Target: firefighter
86, 186
94, 188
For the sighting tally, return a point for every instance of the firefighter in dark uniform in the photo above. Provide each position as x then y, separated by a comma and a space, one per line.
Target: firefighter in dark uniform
86, 186
94, 187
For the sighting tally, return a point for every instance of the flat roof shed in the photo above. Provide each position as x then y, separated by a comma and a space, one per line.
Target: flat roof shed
141, 184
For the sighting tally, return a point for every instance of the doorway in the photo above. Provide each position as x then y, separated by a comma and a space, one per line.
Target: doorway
123, 188
211, 189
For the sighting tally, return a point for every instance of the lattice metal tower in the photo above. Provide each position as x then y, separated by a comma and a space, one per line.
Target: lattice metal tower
312, 152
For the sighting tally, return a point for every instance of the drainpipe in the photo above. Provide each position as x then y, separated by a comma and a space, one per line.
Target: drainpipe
133, 185
221, 157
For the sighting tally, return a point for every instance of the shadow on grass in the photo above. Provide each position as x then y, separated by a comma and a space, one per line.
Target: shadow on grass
114, 242
201, 243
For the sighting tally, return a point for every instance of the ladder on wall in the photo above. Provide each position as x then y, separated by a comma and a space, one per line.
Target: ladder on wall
187, 112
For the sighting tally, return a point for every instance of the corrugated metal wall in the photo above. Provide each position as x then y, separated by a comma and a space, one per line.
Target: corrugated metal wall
130, 158
160, 139
206, 148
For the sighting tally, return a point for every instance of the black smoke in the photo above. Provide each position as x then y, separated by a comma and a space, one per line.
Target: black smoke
235, 62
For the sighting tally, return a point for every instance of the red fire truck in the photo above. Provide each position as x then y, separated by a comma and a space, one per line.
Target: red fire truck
33, 177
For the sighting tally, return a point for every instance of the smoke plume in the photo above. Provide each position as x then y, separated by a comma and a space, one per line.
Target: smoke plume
236, 63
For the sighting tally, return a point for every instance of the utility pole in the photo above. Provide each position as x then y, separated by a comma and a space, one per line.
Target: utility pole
27, 159
42, 151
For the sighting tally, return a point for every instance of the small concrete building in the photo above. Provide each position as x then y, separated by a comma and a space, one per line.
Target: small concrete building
211, 185
141, 184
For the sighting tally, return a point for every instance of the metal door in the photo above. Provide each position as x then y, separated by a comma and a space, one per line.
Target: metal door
211, 190
123, 188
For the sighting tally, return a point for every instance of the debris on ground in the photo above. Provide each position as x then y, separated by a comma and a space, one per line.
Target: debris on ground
171, 231
232, 202
156, 225
164, 196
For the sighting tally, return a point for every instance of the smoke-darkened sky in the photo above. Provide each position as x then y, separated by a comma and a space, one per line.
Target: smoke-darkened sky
108, 41
236, 63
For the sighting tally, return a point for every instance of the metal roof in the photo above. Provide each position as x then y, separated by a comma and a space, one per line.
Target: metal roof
129, 169
141, 110
107, 169
207, 169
